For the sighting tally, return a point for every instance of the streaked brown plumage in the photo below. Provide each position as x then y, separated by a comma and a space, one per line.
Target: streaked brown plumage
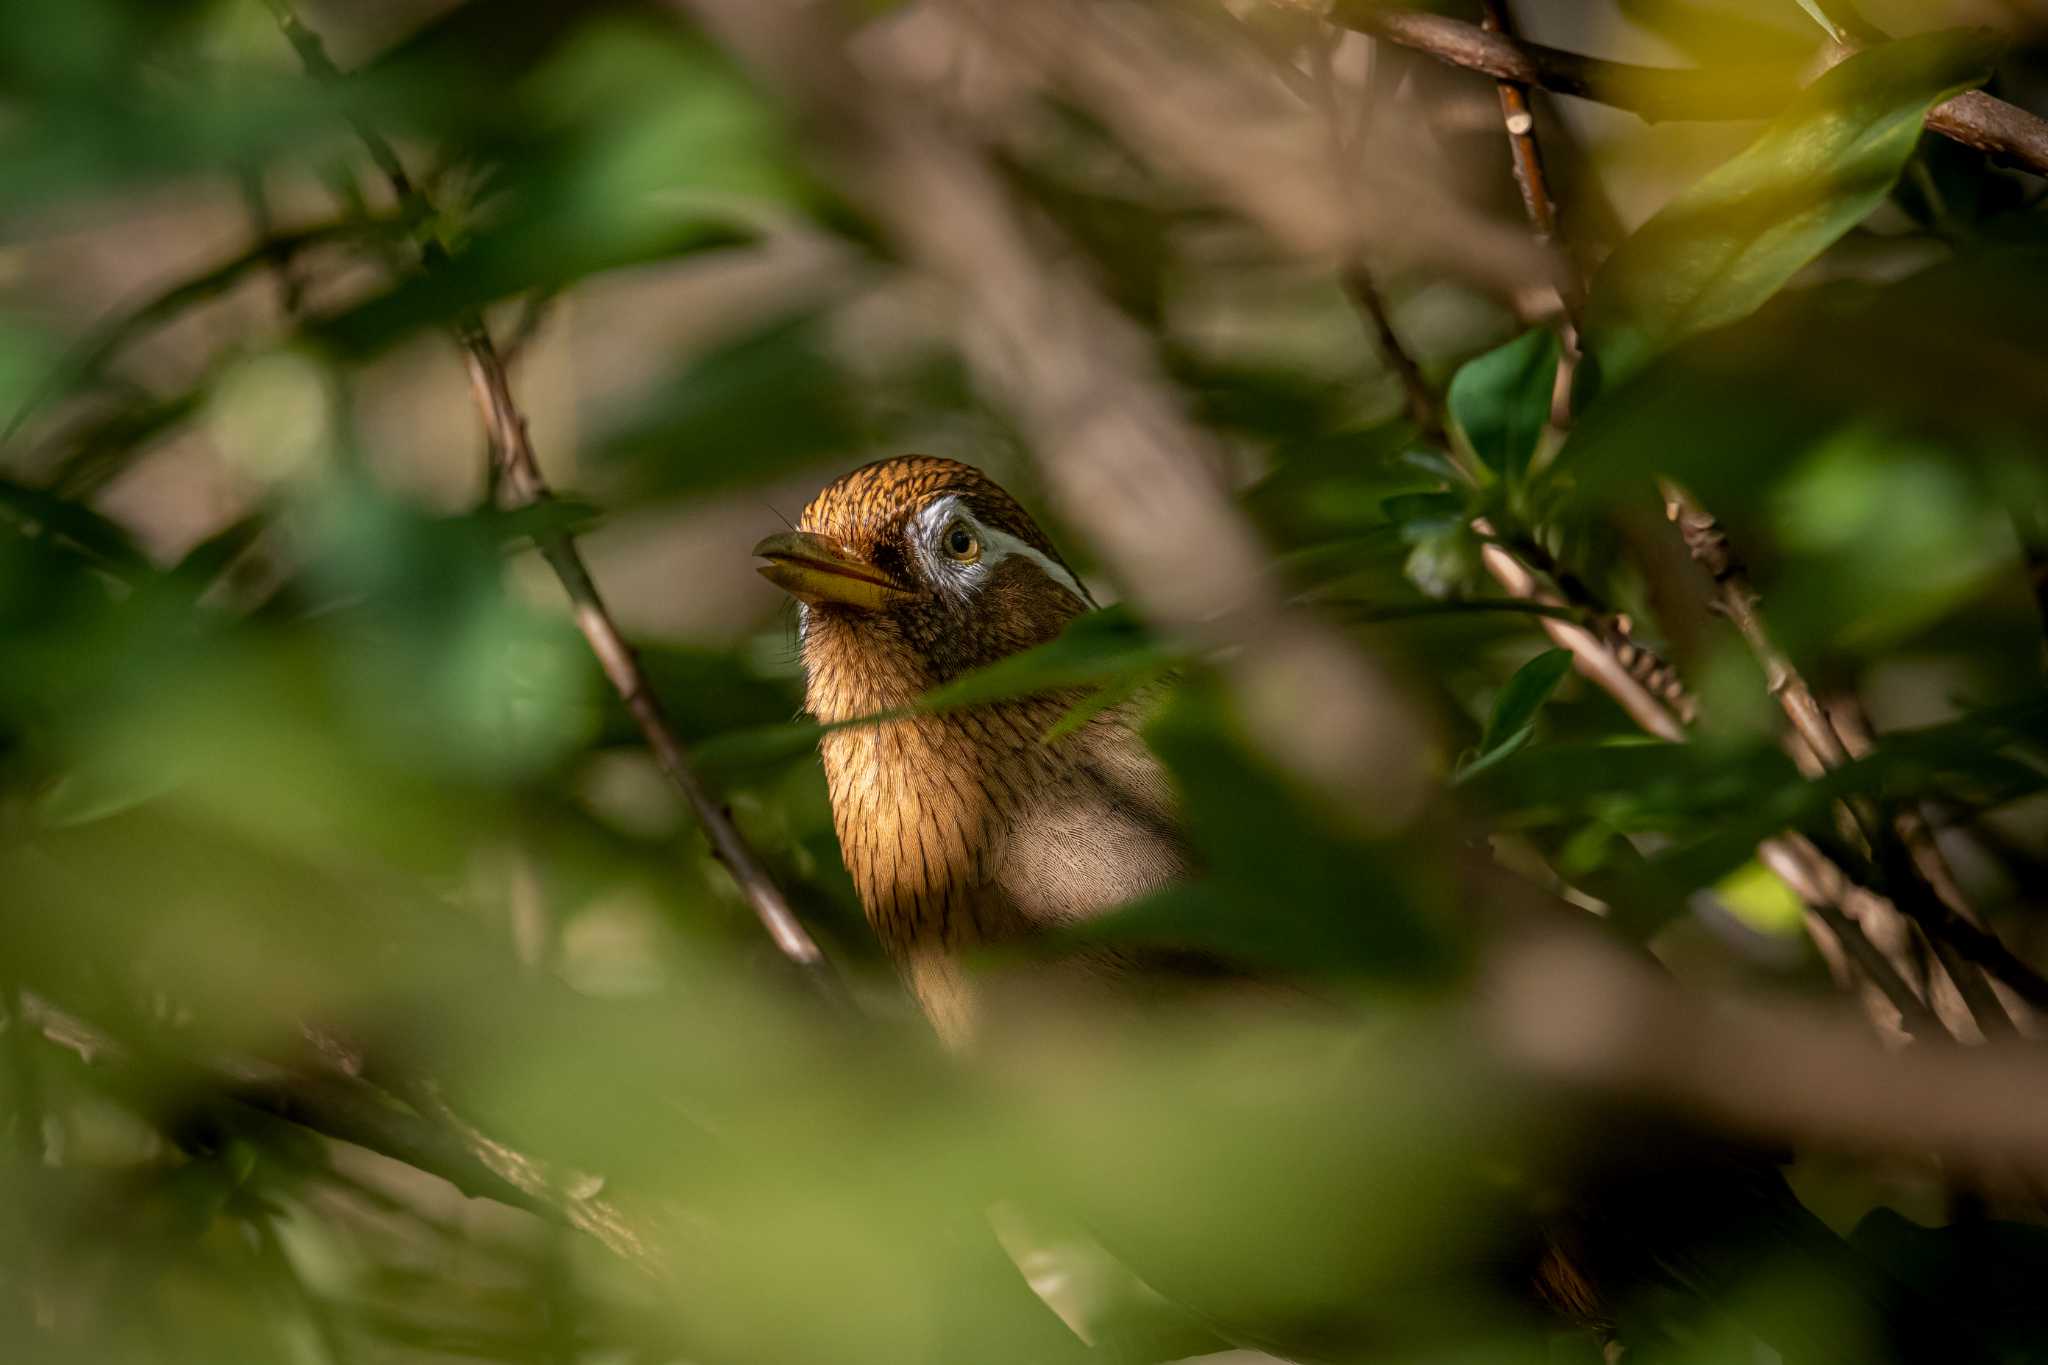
962, 830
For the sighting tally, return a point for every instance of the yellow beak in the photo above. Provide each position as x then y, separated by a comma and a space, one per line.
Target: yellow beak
813, 569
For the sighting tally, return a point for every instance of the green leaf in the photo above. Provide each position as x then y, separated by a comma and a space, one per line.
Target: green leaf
1101, 647
1501, 400
1525, 693
775, 391
1424, 517
1731, 241
1513, 722
1105, 698
1273, 866
1106, 650
103, 540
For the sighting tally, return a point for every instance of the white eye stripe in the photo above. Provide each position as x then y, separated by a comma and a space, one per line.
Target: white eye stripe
995, 545
998, 544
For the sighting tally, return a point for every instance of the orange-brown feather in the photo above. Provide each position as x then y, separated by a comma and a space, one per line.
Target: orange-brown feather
964, 830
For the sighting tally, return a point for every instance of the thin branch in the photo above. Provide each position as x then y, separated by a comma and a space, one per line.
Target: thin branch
573, 1198
337, 1106
522, 479
1655, 92
1585, 1013
1965, 949
1594, 658
521, 474
1973, 118
1423, 408
1820, 887
1520, 121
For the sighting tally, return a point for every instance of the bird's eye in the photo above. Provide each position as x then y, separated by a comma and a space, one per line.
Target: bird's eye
961, 544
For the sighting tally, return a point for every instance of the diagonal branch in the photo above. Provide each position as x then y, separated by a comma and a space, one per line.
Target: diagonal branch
520, 471
1974, 119
1966, 949
337, 1106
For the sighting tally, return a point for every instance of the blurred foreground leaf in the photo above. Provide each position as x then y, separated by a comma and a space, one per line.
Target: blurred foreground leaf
1728, 243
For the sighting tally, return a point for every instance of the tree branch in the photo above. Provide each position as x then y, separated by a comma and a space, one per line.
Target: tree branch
521, 474
522, 479
1423, 408
1974, 118
1520, 121
1965, 949
352, 1111
1585, 1013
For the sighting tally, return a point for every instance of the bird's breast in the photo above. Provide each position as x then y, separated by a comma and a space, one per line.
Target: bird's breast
966, 831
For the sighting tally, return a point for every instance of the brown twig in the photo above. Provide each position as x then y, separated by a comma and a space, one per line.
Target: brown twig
1423, 408
1973, 118
521, 476
1585, 1013
523, 481
1594, 657
348, 1110
1653, 92
1966, 950
573, 1198
1520, 121
1822, 889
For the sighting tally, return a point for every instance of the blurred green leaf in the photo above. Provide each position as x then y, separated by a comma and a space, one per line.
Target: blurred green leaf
1761, 899
499, 262
1332, 904
1098, 647
38, 512
1728, 243
1106, 650
775, 391
1106, 698
1422, 517
1501, 401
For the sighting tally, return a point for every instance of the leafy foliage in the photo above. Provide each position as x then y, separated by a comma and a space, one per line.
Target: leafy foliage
1719, 250
368, 994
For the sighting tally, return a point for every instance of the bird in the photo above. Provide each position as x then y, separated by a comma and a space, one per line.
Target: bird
964, 831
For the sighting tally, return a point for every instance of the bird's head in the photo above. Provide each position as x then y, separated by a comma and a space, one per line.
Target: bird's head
912, 571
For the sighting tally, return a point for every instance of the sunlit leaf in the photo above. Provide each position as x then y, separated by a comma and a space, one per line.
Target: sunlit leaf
1728, 243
